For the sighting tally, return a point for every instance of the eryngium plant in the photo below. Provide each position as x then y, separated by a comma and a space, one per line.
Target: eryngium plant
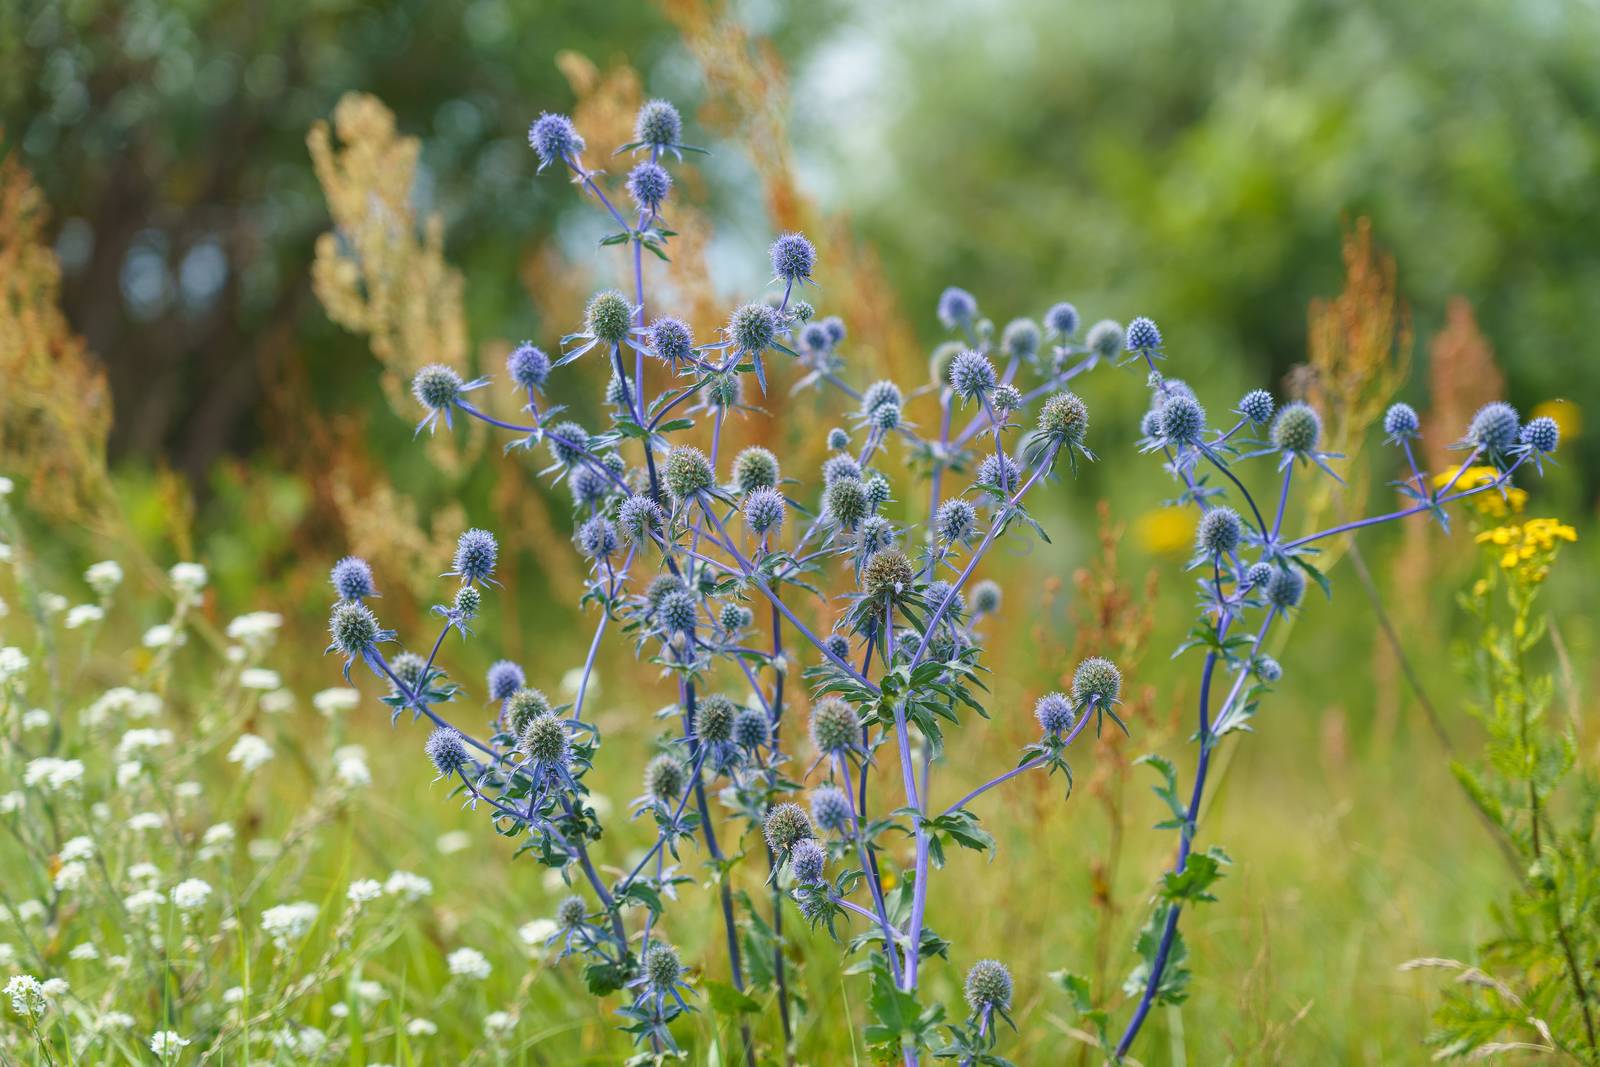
684, 559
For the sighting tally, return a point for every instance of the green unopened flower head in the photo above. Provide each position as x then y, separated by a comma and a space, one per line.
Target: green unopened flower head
659, 587
751, 730
1065, 417
988, 987
1104, 339
845, 500
609, 316
786, 826
523, 707
408, 667
1297, 429
714, 718
662, 968
887, 574
753, 328
735, 617
1020, 340
755, 468
354, 627
940, 360
1096, 679
688, 472
571, 913
986, 596
725, 391
468, 601
834, 727
664, 779
545, 740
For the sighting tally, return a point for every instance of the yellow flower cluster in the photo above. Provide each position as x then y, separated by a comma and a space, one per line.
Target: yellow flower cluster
1526, 550
1494, 503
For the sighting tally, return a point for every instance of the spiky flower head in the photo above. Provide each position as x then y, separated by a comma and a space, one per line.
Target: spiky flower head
753, 328
887, 574
476, 552
876, 533
1258, 575
1542, 434
1143, 336
608, 316
354, 628
838, 645
639, 517
755, 468
664, 779
671, 340
468, 601
688, 473
1268, 669
1257, 405
1297, 429
814, 337
528, 366
751, 730
1494, 429
793, 256
588, 484
1065, 418
839, 440
437, 387
523, 706
1055, 714
648, 184
830, 809
659, 587
972, 376
1400, 422
554, 138
845, 500
1020, 339
597, 538
840, 466
1286, 587
834, 727
878, 394
956, 306
808, 861
938, 590
877, 488
447, 751
662, 968
568, 442
1104, 339
571, 913
835, 327
1150, 425
1183, 420
1000, 470
352, 579
714, 717
1096, 679
735, 617
408, 667
676, 613
986, 596
785, 826
1061, 319
885, 417
956, 520
764, 510
658, 124
546, 741
1219, 532
988, 987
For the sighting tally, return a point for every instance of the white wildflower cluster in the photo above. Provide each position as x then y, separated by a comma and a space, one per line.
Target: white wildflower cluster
256, 630
407, 886
332, 701
285, 923
52, 774
104, 577
469, 963
12, 663
188, 580
122, 700
81, 615
250, 752
350, 766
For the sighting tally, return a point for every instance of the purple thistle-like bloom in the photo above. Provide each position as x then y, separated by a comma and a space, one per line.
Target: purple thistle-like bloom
639, 518
658, 125
836, 331
1219, 533
648, 184
447, 751
838, 645
1104, 339
504, 678
1062, 319
352, 579
972, 375
1542, 434
793, 256
814, 338
438, 388
1142, 336
751, 729
1021, 339
476, 553
528, 366
1256, 405
1000, 471
1183, 420
956, 306
598, 538
956, 520
808, 861
1258, 575
830, 809
1285, 588
554, 138
879, 393
764, 510
1400, 422
1055, 714
671, 340
1494, 429
753, 328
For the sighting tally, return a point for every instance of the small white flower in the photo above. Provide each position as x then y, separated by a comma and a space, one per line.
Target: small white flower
410, 886
71, 875
469, 963
27, 996
54, 987
114, 1020
332, 701
36, 719
250, 752
191, 894
145, 901
5, 552
84, 950
371, 992
499, 1023
535, 933
163, 635
573, 679
187, 579
32, 911
277, 702
363, 890
8, 955
233, 995
288, 922
53, 603
236, 654
145, 874
144, 739
187, 790
81, 615
340, 1010
104, 577
421, 1028
167, 1042
12, 662
120, 700
77, 848
263, 849
145, 821
255, 630
217, 837
128, 772
53, 774
6, 486
259, 678
351, 770
454, 841
11, 802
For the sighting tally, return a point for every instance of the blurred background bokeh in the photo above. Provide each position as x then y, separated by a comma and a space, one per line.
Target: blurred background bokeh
1351, 201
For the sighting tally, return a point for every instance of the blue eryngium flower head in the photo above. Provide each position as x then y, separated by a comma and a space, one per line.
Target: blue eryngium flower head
466, 605
597, 538
840, 466
1285, 588
664, 779
838, 645
409, 668
1000, 471
793, 256
568, 442
1142, 336
956, 520
1256, 405
671, 340
988, 987
885, 417
676, 612
1259, 574
438, 388
808, 861
1104, 339
875, 535
814, 338
356, 634
1061, 319
751, 730
1055, 714
571, 913
956, 307
1020, 339
876, 396
1219, 532
1005, 399
554, 138
352, 579
785, 826
839, 440
1494, 430
972, 376
755, 468
658, 125
662, 968
1542, 434
844, 500
1096, 679
503, 679
447, 751
835, 729
1268, 669
476, 553
608, 316
830, 809
986, 597
1297, 429
764, 510
753, 328
639, 518
648, 184
1183, 420
938, 590
589, 485
1064, 420
687, 473
836, 331
659, 587
1400, 422
528, 366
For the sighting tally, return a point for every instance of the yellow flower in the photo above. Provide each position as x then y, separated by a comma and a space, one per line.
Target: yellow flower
1166, 530
1494, 503
1527, 550
1568, 416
